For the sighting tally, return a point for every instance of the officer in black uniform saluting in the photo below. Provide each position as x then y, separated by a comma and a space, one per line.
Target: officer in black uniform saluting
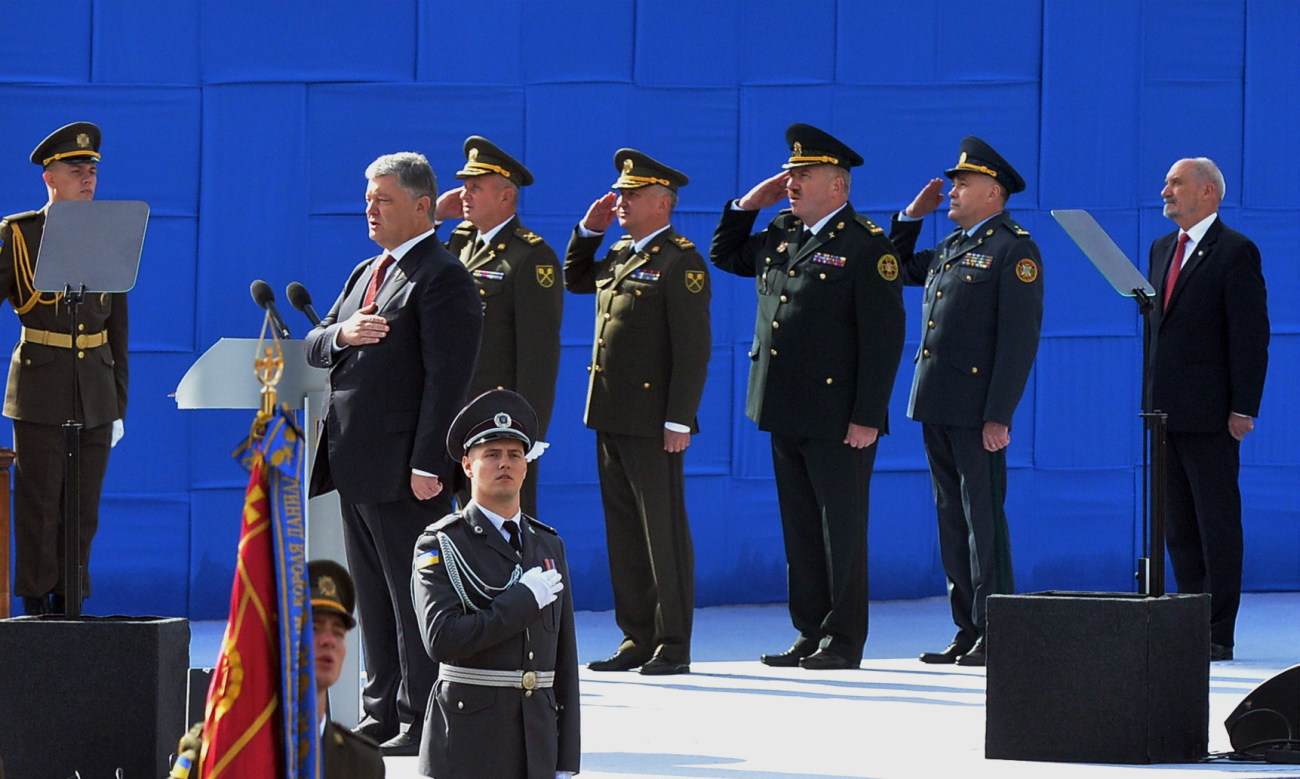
979, 336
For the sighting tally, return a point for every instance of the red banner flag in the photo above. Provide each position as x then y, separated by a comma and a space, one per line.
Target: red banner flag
240, 739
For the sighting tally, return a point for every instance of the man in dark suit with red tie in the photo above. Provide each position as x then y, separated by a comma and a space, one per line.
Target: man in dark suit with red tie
1208, 351
400, 344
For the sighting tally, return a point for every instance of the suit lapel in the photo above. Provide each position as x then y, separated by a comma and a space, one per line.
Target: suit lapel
1193, 263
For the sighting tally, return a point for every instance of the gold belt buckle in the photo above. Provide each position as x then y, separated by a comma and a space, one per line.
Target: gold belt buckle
529, 680
81, 340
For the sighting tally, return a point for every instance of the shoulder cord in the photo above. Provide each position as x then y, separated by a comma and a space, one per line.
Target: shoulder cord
455, 562
24, 275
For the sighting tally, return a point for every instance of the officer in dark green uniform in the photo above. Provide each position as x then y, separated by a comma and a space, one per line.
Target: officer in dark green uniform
827, 343
518, 280
982, 310
648, 365
39, 395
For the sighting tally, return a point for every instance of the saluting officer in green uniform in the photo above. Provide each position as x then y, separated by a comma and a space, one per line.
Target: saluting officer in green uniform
648, 365
827, 342
518, 280
982, 309
39, 396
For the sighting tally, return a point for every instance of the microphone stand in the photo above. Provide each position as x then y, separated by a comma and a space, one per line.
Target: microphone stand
73, 575
1151, 568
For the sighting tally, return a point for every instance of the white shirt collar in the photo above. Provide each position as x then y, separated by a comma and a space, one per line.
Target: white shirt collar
816, 228
1198, 230
641, 244
488, 235
499, 521
401, 251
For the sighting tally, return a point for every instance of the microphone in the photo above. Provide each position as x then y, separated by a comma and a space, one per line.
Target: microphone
264, 297
301, 300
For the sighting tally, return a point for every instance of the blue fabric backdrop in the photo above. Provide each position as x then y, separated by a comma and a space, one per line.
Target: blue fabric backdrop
246, 124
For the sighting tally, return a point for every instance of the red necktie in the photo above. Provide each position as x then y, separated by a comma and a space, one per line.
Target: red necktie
377, 280
1175, 267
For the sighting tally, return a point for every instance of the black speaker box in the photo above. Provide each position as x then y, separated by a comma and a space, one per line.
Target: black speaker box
1085, 677
1270, 712
92, 694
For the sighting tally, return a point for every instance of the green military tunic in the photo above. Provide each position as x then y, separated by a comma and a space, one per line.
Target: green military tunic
39, 398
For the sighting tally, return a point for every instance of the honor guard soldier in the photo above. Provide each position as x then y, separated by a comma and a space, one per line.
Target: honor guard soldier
41, 379
344, 754
982, 309
648, 364
827, 342
518, 280
490, 595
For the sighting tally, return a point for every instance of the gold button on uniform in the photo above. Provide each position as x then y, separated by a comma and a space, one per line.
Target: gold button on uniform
638, 293
974, 369
821, 276
607, 316
460, 704
792, 273
81, 327
925, 352
785, 299
482, 292
776, 325
947, 266
829, 380
969, 277
600, 341
773, 352
646, 385
938, 294
930, 324
80, 355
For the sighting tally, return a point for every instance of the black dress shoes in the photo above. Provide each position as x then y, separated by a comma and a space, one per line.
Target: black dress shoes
789, 658
405, 744
1219, 652
662, 666
373, 730
949, 655
34, 607
619, 661
974, 656
825, 660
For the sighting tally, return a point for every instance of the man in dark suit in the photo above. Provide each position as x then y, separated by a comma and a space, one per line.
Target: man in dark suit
41, 380
827, 343
518, 280
494, 611
649, 360
981, 315
400, 344
1208, 351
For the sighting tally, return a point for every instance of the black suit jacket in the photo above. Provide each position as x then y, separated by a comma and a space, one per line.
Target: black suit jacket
391, 403
473, 731
1209, 348
829, 333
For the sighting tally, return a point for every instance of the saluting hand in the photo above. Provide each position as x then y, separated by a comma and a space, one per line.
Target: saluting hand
926, 201
363, 327
768, 193
601, 214
449, 205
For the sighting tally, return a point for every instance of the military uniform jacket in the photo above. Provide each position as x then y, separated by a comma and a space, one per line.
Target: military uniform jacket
347, 755
392, 402
40, 376
493, 732
518, 280
650, 353
982, 310
1209, 348
829, 331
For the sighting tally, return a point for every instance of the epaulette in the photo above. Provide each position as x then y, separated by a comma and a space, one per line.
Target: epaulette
464, 228
1015, 228
683, 242
446, 522
621, 243
871, 226
528, 235
22, 215
541, 525
786, 218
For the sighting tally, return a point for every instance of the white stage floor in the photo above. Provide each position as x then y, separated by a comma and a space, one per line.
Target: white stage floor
894, 718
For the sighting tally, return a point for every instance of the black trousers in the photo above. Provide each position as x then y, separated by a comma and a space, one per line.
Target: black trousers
823, 488
38, 504
970, 488
1203, 523
651, 555
380, 541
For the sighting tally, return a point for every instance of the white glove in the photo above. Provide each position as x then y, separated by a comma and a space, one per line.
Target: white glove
546, 585
119, 430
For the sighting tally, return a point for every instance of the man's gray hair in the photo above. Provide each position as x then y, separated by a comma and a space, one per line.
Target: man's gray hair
414, 174
1206, 170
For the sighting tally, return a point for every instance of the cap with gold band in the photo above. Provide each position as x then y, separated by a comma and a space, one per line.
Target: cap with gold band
492, 416
811, 146
483, 157
636, 170
76, 142
332, 590
978, 157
